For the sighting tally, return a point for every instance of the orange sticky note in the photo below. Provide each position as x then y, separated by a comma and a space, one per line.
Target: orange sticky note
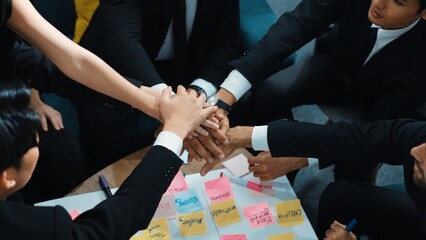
192, 224
178, 184
225, 213
233, 237
219, 190
289, 213
157, 229
74, 213
283, 236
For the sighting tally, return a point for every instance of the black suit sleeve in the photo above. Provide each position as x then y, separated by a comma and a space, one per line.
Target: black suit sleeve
382, 141
222, 42
119, 217
292, 30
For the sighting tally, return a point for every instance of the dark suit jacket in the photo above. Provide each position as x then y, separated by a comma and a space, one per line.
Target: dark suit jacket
383, 141
118, 217
128, 34
397, 72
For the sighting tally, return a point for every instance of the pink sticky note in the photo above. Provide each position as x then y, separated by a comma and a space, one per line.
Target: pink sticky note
219, 190
178, 184
258, 215
233, 237
166, 208
74, 213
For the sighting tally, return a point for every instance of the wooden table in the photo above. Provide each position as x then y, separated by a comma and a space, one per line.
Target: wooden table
117, 172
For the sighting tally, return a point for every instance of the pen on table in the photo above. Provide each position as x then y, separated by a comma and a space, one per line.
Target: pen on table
351, 225
243, 182
104, 185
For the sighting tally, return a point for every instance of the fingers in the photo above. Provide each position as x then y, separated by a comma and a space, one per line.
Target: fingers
192, 153
201, 131
210, 145
43, 121
208, 123
207, 167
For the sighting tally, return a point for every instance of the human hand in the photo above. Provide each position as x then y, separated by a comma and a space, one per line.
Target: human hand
337, 231
266, 167
182, 112
45, 112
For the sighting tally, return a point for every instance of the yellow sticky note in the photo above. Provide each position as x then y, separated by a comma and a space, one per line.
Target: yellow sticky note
192, 224
225, 213
157, 229
283, 236
289, 213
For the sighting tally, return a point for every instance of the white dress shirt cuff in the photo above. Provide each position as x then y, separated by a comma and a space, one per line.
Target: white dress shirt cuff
312, 162
236, 83
259, 138
169, 140
160, 87
208, 87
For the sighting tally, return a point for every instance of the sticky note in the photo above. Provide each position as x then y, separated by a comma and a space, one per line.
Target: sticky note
157, 229
187, 201
237, 165
74, 213
283, 236
233, 237
289, 213
219, 190
258, 215
192, 224
225, 213
166, 208
178, 184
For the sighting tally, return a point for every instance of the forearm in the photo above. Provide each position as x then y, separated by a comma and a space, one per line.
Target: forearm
74, 61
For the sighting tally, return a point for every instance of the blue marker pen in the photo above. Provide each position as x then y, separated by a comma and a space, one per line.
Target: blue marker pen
104, 185
351, 225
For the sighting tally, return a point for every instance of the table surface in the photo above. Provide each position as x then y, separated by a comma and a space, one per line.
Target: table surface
118, 171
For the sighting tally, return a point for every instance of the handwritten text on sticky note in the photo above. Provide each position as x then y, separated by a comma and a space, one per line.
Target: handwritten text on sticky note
258, 215
188, 201
225, 213
157, 229
166, 207
219, 190
289, 213
178, 184
192, 224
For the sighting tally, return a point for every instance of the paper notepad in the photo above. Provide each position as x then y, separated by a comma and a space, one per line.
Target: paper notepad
237, 165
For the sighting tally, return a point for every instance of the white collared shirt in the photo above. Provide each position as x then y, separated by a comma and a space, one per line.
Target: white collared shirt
385, 36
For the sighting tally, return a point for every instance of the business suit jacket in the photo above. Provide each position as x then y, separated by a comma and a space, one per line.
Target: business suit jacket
383, 141
396, 73
128, 35
118, 217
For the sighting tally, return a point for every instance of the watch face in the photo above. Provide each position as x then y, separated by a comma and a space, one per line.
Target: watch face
212, 101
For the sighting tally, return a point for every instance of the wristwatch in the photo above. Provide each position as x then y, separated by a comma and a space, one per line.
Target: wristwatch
198, 89
214, 100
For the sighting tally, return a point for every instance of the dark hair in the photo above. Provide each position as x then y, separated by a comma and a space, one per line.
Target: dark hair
18, 124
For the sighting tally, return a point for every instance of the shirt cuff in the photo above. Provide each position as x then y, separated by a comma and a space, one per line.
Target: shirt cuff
208, 87
312, 162
160, 87
259, 138
170, 141
236, 83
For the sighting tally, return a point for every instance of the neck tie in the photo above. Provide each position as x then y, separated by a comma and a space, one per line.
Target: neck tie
180, 56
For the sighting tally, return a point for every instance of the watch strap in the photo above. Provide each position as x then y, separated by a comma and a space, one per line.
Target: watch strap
198, 89
223, 105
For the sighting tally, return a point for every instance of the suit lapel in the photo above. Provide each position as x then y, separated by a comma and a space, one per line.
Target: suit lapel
395, 52
205, 10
